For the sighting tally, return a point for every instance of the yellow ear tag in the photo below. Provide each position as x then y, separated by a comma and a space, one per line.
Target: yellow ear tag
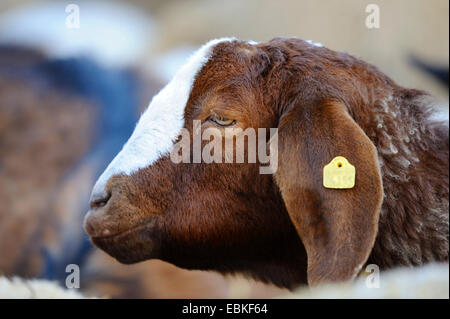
339, 173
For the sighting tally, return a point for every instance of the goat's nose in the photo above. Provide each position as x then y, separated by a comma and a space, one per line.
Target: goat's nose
96, 220
99, 199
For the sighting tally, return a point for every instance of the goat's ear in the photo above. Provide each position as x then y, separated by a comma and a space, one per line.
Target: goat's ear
337, 226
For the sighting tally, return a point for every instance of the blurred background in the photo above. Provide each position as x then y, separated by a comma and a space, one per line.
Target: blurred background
70, 97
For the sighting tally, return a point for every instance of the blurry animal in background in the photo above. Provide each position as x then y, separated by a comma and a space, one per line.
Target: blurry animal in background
87, 93
61, 122
32, 161
287, 228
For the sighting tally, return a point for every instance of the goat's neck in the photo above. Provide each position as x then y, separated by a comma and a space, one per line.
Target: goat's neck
413, 157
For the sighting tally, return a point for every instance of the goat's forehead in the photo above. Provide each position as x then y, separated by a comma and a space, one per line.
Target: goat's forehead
229, 69
160, 124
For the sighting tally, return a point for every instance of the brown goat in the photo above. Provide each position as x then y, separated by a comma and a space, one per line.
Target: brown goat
44, 133
285, 228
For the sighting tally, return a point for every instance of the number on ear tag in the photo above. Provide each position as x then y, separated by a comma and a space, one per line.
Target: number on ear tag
339, 174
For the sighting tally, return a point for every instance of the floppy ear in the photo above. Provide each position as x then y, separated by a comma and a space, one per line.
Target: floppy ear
337, 226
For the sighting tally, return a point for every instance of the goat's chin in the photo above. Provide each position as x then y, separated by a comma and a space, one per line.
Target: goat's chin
130, 246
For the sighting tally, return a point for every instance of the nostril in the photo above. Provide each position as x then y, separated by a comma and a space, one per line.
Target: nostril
88, 227
100, 200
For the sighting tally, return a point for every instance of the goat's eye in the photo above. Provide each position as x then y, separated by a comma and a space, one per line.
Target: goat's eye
220, 120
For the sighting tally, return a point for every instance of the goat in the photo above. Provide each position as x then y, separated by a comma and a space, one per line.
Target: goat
48, 117
285, 228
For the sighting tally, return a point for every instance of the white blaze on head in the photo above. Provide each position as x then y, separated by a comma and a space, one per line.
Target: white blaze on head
160, 125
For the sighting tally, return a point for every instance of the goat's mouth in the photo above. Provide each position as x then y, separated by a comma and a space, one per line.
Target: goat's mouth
136, 244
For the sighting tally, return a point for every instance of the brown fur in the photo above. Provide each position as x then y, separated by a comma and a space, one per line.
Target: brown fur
287, 228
